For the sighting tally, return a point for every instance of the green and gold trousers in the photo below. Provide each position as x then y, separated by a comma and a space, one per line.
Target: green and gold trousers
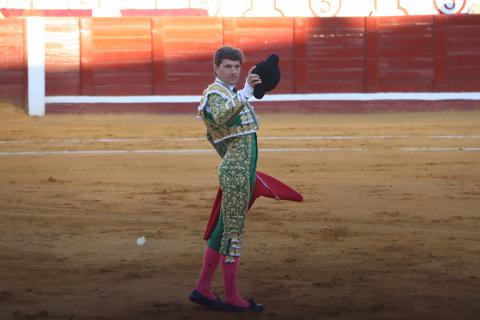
237, 174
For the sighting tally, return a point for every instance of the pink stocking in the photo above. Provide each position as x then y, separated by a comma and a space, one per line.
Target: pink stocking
230, 272
210, 263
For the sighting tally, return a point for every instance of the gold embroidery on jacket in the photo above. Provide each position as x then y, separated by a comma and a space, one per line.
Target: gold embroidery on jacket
224, 114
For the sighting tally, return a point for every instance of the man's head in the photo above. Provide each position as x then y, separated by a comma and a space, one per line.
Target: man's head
227, 63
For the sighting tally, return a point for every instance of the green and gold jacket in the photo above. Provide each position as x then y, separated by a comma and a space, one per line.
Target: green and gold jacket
225, 114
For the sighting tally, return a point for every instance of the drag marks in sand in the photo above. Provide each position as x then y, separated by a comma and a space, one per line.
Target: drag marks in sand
182, 145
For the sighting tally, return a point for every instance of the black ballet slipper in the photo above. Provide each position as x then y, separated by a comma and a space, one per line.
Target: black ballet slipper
200, 299
253, 306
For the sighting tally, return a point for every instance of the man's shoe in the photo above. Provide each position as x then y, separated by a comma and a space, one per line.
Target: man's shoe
198, 298
253, 306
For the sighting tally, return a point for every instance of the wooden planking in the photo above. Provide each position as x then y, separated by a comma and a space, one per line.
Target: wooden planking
408, 76
299, 55
191, 67
121, 56
12, 44
407, 62
420, 52
348, 75
118, 55
392, 85
335, 54
122, 44
113, 79
121, 90
462, 60
62, 56
328, 24
12, 93
183, 53
334, 86
396, 23
372, 81
119, 27
317, 55
462, 53
259, 38
12, 61
401, 40
173, 55
11, 77
409, 41
463, 45
463, 20
440, 53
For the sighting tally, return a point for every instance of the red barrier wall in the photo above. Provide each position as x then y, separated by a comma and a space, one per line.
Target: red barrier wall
182, 53
405, 54
12, 63
331, 54
173, 55
116, 60
461, 51
62, 57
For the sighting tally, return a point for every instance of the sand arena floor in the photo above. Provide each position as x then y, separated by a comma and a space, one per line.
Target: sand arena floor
389, 229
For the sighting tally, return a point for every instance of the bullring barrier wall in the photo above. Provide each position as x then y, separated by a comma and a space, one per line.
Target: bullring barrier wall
172, 56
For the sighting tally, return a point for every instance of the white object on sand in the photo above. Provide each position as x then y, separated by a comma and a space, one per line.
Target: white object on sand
141, 241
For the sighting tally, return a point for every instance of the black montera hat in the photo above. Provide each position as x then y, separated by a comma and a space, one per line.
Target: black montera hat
269, 72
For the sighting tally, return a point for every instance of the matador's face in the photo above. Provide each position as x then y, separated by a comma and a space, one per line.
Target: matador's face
228, 71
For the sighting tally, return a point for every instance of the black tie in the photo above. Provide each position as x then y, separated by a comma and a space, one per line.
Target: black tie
234, 90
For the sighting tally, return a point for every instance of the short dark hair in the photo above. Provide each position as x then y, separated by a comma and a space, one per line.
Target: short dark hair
227, 52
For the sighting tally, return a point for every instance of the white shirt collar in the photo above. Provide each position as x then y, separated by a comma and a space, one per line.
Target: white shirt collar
223, 83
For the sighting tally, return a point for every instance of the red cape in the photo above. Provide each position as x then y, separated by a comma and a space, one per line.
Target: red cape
265, 186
